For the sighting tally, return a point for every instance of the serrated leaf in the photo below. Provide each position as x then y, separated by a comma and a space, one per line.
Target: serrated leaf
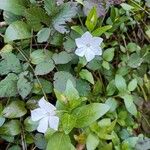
85, 74
10, 63
66, 12
43, 35
18, 6
60, 80
12, 128
62, 58
63, 142
17, 31
8, 86
44, 67
120, 83
15, 109
36, 17
132, 85
89, 113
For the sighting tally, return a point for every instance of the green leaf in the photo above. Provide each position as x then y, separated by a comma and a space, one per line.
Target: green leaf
91, 20
30, 125
71, 92
8, 86
111, 88
134, 60
132, 85
15, 147
10, 63
24, 85
40, 141
39, 56
112, 103
15, 109
12, 128
17, 31
92, 142
130, 106
60, 80
14, 6
85, 74
126, 6
45, 85
108, 54
44, 67
43, 35
106, 65
133, 47
36, 17
63, 142
62, 58
50, 6
66, 12
68, 122
120, 83
72, 95
89, 113
99, 31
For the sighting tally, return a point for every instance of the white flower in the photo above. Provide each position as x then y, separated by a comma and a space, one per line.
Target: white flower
46, 115
88, 46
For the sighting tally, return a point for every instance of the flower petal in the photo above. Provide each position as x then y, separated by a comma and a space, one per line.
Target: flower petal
96, 41
89, 55
97, 50
43, 125
80, 51
54, 122
80, 42
87, 36
37, 114
46, 106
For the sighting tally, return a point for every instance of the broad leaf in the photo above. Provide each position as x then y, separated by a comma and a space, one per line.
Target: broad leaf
24, 85
60, 80
10, 63
66, 12
36, 17
18, 6
15, 109
120, 83
62, 58
63, 142
85, 74
68, 122
12, 128
44, 67
17, 31
89, 113
8, 86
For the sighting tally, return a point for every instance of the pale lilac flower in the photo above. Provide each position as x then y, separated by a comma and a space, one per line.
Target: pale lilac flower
46, 115
88, 46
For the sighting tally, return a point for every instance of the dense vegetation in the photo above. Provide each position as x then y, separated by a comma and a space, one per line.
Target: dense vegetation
101, 99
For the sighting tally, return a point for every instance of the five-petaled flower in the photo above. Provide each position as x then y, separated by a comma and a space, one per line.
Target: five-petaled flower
46, 115
88, 46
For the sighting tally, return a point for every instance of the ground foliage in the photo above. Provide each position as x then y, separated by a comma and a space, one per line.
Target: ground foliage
103, 104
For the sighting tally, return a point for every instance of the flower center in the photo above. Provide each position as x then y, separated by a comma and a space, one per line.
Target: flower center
88, 45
